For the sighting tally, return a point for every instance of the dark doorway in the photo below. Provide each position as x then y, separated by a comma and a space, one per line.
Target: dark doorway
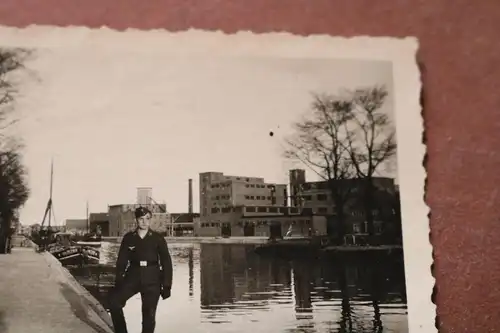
249, 230
225, 230
275, 231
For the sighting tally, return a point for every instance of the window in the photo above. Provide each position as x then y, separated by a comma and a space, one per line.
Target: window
226, 209
282, 210
247, 197
214, 210
307, 197
216, 197
322, 186
252, 185
250, 209
273, 209
261, 209
246, 185
294, 210
251, 197
356, 228
321, 197
258, 197
322, 210
268, 198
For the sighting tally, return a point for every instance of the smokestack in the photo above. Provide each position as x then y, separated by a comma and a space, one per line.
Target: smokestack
190, 197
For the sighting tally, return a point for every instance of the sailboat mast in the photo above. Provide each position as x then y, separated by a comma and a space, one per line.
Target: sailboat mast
50, 194
87, 214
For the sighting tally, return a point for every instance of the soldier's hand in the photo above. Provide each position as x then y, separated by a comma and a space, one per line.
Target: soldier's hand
165, 293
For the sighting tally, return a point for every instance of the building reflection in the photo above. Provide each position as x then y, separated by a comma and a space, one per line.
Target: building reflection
235, 277
191, 270
302, 278
328, 294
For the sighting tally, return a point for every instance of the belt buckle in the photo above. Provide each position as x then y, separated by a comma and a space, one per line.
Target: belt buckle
143, 263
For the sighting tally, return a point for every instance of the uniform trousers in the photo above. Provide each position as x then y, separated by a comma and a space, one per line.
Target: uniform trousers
143, 280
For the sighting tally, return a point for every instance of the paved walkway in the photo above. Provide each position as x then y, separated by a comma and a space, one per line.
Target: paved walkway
38, 295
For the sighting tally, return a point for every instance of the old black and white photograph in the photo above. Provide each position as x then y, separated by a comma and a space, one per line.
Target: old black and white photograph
153, 181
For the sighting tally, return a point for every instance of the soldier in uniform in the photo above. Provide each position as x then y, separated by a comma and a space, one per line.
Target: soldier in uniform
144, 250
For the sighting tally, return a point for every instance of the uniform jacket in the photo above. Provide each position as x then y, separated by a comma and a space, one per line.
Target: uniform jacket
151, 248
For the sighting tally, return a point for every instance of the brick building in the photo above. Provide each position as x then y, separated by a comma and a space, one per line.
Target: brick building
318, 197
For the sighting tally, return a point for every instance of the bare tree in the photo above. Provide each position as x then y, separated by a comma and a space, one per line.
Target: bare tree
11, 60
371, 143
319, 143
344, 138
13, 184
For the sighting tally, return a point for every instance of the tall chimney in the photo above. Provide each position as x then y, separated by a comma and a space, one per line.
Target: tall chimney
190, 197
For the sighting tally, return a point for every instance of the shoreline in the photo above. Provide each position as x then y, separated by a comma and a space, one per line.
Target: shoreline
43, 296
295, 243
86, 298
205, 240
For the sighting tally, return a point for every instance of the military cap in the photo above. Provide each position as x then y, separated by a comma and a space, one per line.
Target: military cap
141, 211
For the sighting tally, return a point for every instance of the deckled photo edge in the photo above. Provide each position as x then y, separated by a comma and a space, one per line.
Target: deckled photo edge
409, 123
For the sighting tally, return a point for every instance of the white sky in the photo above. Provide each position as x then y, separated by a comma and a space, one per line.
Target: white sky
116, 121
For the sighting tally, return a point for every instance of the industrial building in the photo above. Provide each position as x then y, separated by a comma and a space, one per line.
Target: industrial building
122, 220
76, 226
250, 206
101, 221
317, 196
218, 190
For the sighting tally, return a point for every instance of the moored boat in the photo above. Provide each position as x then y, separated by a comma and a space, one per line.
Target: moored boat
70, 253
63, 245
90, 255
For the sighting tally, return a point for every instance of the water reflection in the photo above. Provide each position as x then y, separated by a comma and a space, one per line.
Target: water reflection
229, 288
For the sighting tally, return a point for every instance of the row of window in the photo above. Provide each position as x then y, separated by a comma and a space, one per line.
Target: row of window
272, 187
255, 209
225, 185
221, 185
247, 197
258, 197
253, 223
282, 210
359, 228
222, 197
227, 209
319, 197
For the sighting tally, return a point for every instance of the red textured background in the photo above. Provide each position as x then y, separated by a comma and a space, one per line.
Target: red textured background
460, 55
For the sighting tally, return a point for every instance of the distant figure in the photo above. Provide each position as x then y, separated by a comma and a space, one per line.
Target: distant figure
289, 232
141, 248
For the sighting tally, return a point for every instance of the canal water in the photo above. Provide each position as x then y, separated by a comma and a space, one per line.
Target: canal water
229, 288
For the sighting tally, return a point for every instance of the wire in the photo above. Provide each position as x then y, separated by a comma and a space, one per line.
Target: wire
53, 214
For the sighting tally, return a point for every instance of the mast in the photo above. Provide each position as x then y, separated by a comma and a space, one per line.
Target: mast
50, 194
87, 214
